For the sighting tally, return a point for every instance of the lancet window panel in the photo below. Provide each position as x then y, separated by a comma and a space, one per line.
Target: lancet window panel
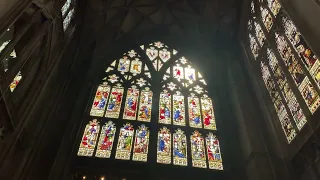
106, 140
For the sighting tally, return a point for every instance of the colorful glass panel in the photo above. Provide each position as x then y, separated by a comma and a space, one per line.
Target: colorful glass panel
114, 104
136, 66
198, 150
15, 81
141, 143
152, 53
124, 64
190, 74
145, 105
305, 87
125, 142
180, 148
259, 33
165, 108
130, 110
290, 98
89, 138
164, 146
208, 113
275, 6
309, 59
106, 140
254, 46
100, 101
213, 152
165, 55
266, 18
194, 112
179, 110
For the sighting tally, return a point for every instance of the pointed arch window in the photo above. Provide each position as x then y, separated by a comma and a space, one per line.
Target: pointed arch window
149, 103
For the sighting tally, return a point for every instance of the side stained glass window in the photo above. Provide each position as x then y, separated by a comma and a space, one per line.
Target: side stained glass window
141, 143
213, 152
165, 107
106, 140
89, 138
100, 101
198, 150
194, 112
145, 105
305, 87
114, 104
180, 148
275, 6
130, 110
125, 142
266, 18
164, 146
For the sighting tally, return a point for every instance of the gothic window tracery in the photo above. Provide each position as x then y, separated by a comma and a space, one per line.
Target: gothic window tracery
123, 104
292, 92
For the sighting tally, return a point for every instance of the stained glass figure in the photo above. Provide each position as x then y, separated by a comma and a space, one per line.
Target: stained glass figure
130, 110
194, 112
136, 66
198, 150
179, 148
213, 152
15, 81
305, 87
165, 107
124, 64
266, 18
114, 104
89, 138
141, 143
178, 72
152, 53
164, 146
275, 6
145, 105
254, 46
125, 142
100, 101
259, 33
178, 109
106, 140
309, 59
190, 74
165, 55
208, 113
290, 98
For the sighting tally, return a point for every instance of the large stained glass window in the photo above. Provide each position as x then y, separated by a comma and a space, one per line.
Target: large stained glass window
106, 140
130, 99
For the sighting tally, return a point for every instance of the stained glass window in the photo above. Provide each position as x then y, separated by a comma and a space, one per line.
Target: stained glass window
125, 142
114, 104
194, 112
207, 113
198, 150
179, 148
106, 140
254, 46
15, 81
213, 152
178, 109
266, 18
125, 95
89, 138
145, 105
164, 146
130, 110
100, 101
305, 87
275, 6
141, 143
259, 33
165, 108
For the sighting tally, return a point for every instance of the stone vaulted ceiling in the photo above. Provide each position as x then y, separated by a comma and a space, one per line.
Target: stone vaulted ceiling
112, 19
